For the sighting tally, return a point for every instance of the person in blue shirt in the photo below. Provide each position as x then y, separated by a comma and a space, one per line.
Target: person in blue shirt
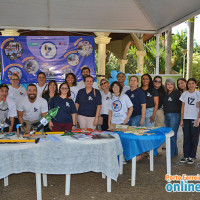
138, 99
66, 117
88, 104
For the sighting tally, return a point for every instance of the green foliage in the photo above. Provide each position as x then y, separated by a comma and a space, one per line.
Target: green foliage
196, 67
179, 43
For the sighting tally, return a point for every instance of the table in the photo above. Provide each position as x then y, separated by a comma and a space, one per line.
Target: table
68, 156
134, 145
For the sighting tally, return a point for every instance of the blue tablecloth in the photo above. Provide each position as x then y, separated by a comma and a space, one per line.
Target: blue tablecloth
134, 145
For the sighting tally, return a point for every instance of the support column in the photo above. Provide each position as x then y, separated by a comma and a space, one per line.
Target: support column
102, 39
190, 41
157, 53
168, 42
10, 32
140, 61
122, 63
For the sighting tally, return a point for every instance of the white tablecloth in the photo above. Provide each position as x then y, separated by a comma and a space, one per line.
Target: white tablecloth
69, 156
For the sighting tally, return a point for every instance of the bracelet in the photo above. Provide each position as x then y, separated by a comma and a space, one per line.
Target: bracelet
73, 125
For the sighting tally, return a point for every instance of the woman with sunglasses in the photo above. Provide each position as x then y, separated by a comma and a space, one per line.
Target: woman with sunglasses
138, 99
105, 94
16, 92
182, 85
152, 99
160, 118
172, 110
88, 104
121, 107
71, 80
66, 116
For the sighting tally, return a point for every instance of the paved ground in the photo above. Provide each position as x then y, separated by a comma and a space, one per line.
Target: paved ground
149, 185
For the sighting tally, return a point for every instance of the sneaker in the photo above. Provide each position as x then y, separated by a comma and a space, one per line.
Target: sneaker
184, 160
190, 161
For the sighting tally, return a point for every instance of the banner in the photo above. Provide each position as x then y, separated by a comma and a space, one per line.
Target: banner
54, 55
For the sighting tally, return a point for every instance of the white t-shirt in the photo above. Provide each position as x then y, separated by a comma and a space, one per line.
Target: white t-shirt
40, 90
81, 85
33, 111
16, 94
125, 88
12, 111
105, 98
119, 107
74, 91
191, 110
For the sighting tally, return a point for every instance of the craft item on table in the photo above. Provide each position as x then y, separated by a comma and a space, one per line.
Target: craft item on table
102, 136
38, 126
118, 127
81, 136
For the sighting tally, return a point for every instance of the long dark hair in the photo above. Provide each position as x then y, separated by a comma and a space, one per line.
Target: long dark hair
56, 92
75, 81
151, 86
69, 92
161, 89
182, 79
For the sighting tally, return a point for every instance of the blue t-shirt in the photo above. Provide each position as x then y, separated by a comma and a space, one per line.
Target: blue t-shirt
88, 102
67, 108
137, 97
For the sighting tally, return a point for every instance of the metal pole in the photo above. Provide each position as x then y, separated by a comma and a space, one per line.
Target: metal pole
157, 53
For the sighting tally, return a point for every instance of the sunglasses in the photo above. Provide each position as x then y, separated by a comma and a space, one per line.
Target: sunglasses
157, 81
103, 83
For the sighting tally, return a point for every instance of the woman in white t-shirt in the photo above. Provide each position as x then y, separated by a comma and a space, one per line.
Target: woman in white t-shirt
71, 80
16, 92
121, 107
190, 118
105, 95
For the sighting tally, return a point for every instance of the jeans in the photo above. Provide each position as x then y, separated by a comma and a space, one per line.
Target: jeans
190, 138
104, 126
172, 120
149, 113
135, 121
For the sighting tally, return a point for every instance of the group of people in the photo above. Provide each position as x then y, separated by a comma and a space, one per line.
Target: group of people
151, 104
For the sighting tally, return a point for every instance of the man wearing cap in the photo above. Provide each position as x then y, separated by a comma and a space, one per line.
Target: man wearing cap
121, 78
85, 72
10, 108
31, 108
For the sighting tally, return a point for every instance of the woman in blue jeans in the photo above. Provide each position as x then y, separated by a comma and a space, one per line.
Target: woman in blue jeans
152, 99
172, 110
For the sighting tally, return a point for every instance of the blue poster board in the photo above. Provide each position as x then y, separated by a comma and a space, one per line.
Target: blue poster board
54, 55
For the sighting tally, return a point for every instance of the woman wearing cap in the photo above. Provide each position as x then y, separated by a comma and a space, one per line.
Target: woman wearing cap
88, 104
105, 94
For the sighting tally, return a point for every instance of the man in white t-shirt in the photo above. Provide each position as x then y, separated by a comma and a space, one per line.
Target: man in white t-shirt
121, 78
84, 72
10, 108
31, 108
41, 86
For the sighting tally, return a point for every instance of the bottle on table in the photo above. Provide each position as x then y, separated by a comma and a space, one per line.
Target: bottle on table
45, 119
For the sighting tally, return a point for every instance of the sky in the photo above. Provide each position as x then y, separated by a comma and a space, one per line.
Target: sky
183, 26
